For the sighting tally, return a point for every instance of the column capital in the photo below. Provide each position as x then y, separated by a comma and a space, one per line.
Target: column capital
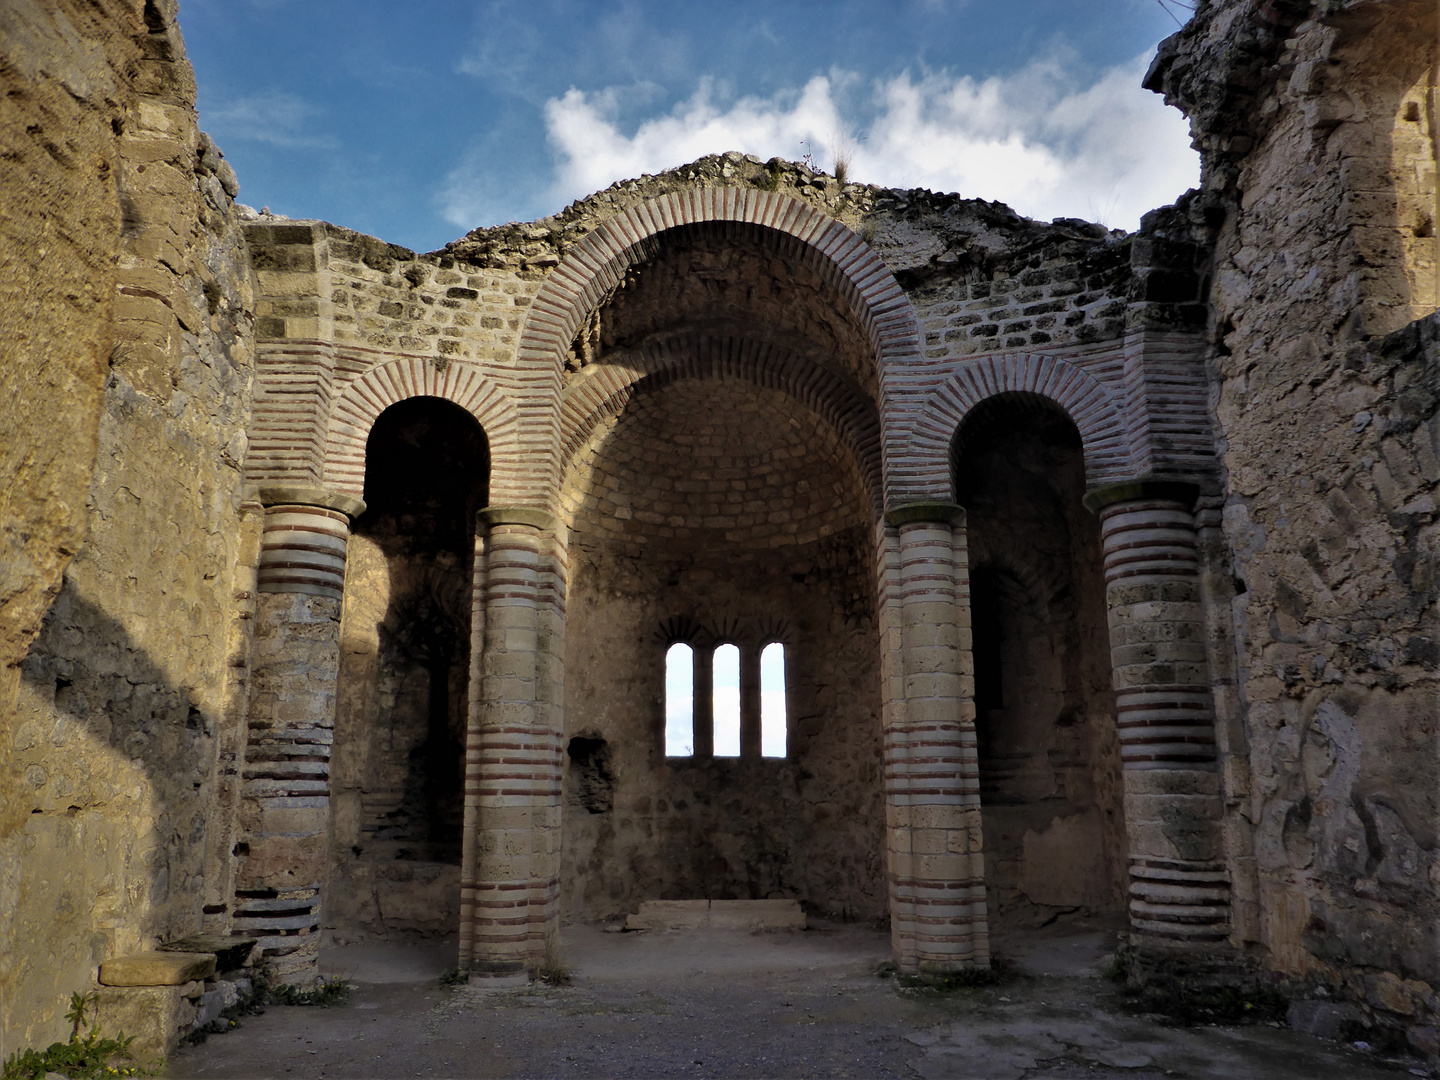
518, 515
947, 513
304, 495
1181, 491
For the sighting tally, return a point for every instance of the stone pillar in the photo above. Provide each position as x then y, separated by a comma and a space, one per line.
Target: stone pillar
1179, 887
514, 753
937, 886
703, 713
285, 794
750, 734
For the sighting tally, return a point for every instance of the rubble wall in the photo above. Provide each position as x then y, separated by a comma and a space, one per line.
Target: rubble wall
126, 390
1315, 123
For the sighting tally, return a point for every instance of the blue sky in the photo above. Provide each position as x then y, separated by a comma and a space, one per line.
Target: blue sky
418, 121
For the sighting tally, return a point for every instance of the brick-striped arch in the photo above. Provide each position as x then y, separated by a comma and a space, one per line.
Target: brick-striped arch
606, 388
354, 414
920, 470
597, 264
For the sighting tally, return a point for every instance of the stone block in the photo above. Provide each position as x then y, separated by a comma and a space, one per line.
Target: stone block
717, 915
157, 1016
157, 969
756, 915
670, 915
230, 952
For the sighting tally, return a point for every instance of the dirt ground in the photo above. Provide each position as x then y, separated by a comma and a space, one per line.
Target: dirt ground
731, 1004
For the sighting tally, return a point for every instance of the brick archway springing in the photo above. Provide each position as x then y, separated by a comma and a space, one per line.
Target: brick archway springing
362, 402
919, 470
609, 386
588, 272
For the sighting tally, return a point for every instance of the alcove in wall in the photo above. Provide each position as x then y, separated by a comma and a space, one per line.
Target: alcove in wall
397, 799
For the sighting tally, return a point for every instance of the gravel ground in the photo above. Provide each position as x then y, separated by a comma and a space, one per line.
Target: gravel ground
716, 1004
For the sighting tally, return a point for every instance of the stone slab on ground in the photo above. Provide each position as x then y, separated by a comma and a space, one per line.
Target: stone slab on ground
717, 915
157, 969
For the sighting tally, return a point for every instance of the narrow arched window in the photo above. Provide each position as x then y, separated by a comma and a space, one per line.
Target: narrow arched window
772, 700
679, 701
727, 701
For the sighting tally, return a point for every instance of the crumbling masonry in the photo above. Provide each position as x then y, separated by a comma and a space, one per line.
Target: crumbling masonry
337, 580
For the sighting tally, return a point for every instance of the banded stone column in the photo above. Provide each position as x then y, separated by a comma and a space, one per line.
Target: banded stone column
514, 755
937, 865
1179, 887
284, 814
473, 722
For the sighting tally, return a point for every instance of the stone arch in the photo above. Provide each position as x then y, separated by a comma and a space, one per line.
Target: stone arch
597, 264
1038, 585
921, 470
607, 387
354, 414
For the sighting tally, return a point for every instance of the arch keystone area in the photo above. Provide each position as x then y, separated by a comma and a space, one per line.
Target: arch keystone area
355, 412
921, 468
597, 264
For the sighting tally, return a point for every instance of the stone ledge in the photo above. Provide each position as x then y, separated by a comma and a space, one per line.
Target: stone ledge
157, 969
717, 915
230, 952
305, 495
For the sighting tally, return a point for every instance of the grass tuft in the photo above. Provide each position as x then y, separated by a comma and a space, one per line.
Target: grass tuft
84, 1057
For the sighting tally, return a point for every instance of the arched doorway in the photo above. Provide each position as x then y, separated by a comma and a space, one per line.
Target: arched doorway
397, 770
1049, 761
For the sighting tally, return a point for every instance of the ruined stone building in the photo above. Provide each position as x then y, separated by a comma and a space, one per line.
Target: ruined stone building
339, 582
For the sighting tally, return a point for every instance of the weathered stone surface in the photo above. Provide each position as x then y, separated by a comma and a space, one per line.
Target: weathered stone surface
694, 435
717, 915
230, 953
124, 400
755, 915
1319, 165
157, 1016
157, 969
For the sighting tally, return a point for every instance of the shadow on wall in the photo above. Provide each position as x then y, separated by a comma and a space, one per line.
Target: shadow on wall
1050, 785
403, 696
116, 762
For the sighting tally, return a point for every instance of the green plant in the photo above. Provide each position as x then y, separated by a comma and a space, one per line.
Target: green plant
769, 178
969, 978
86, 1056
553, 969
455, 977
326, 993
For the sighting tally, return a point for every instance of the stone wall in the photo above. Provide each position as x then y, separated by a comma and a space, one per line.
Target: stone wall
1317, 133
717, 512
128, 345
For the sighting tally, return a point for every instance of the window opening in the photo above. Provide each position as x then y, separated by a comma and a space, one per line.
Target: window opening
727, 701
772, 700
679, 701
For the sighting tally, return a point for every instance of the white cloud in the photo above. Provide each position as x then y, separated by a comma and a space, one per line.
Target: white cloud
594, 153
1034, 139
273, 117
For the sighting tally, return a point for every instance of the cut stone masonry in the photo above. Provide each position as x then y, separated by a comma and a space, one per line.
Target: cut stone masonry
737, 403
